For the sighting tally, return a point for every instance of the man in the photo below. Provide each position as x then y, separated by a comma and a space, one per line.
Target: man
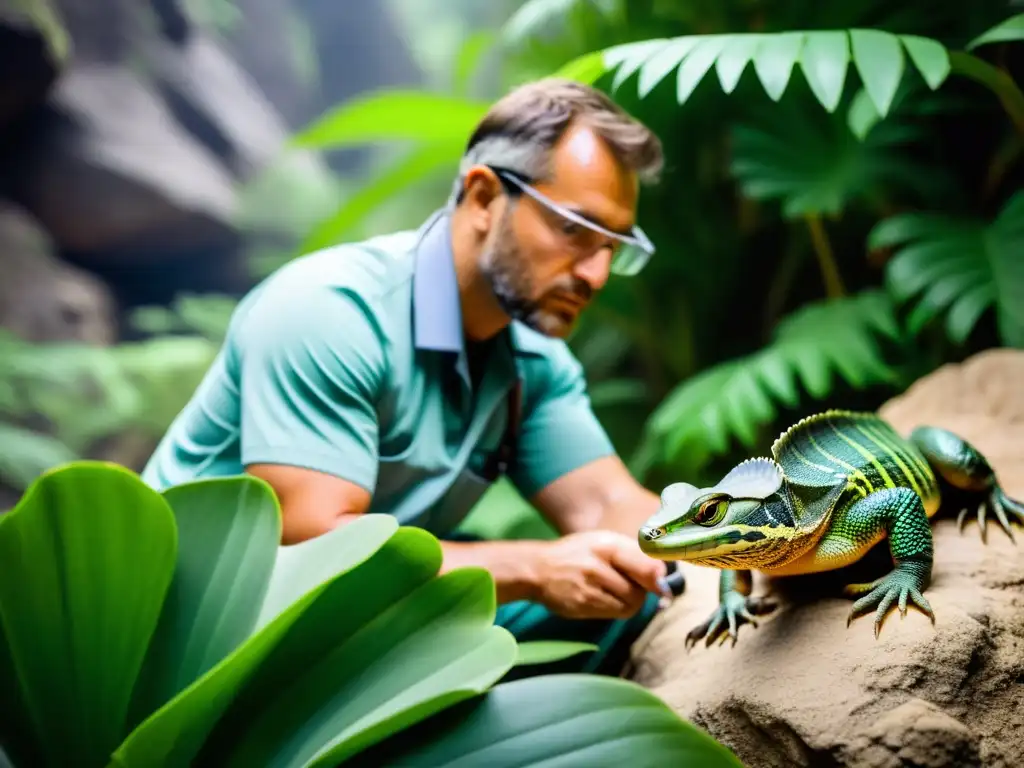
403, 374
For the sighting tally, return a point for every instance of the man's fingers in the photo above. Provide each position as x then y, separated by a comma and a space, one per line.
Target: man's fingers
638, 567
625, 592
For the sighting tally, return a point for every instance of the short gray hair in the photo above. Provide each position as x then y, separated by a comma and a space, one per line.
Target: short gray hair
519, 131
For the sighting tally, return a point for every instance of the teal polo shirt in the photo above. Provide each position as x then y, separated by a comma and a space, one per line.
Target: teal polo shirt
351, 361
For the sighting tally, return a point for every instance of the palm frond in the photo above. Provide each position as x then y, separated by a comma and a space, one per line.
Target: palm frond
813, 163
960, 267
880, 58
732, 401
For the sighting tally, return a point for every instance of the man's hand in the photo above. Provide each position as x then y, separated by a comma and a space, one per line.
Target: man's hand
596, 575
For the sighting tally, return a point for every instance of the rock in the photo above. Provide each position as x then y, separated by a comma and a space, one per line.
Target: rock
29, 54
118, 178
218, 103
42, 299
802, 689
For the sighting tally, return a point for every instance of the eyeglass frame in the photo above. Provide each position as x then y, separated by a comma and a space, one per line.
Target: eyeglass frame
637, 238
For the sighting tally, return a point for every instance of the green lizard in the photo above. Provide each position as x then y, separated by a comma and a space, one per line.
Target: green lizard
838, 483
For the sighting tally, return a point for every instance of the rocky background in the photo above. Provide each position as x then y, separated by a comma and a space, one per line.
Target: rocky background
802, 690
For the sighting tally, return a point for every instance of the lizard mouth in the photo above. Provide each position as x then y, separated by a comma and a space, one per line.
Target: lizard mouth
696, 544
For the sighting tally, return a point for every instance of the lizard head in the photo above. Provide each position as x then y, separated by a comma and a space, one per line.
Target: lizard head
737, 523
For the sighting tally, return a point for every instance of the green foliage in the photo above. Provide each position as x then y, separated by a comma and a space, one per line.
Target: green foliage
735, 399
962, 267
140, 628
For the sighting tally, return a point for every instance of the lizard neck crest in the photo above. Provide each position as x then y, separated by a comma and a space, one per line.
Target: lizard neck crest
752, 479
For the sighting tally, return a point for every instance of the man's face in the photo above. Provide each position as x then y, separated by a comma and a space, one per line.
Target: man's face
544, 269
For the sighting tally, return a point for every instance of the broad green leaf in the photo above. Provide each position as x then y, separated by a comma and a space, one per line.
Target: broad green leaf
1009, 30
664, 61
554, 721
735, 399
547, 651
584, 69
476, 46
696, 65
739, 50
372, 548
930, 57
942, 261
878, 57
420, 163
862, 116
774, 61
229, 530
391, 662
88, 555
394, 114
824, 61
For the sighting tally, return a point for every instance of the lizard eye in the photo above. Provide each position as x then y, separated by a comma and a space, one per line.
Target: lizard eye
711, 512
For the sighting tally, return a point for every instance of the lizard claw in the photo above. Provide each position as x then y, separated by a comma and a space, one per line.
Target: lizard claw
897, 587
734, 611
996, 504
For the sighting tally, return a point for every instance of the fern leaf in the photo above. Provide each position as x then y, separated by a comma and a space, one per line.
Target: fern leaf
733, 401
824, 57
813, 163
958, 267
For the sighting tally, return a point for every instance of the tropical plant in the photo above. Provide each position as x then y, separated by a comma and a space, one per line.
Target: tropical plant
140, 628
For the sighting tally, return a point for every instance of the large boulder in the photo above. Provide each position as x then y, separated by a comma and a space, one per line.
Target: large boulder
802, 689
43, 299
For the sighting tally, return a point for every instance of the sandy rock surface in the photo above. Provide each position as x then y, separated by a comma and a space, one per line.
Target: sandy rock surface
804, 690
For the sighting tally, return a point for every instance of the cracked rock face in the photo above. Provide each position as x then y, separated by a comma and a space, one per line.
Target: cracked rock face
802, 689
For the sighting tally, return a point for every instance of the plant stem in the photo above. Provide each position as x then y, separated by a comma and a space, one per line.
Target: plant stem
834, 287
993, 78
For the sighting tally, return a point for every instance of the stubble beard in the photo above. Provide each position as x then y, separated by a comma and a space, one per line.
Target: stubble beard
504, 269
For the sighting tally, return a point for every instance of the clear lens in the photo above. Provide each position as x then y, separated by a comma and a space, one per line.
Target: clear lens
629, 260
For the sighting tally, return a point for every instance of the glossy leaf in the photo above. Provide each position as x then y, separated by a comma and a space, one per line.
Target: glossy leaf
554, 721
824, 58
372, 546
697, 63
824, 61
421, 163
547, 651
930, 57
391, 663
732, 401
879, 59
774, 61
1010, 30
88, 555
394, 114
229, 530
958, 266
663, 61
738, 51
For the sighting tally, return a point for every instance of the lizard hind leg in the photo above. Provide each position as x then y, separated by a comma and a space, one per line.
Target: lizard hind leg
964, 467
735, 608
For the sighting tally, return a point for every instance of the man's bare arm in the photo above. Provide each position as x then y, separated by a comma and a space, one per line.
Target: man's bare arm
313, 503
599, 495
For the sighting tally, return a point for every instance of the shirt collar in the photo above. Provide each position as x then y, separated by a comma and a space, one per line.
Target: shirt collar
437, 314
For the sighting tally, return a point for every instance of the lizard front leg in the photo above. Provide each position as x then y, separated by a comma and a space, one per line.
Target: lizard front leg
963, 466
899, 514
735, 608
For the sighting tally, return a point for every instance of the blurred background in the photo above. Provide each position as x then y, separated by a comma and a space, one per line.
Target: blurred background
159, 157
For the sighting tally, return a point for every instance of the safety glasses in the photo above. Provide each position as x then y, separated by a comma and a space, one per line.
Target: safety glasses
631, 255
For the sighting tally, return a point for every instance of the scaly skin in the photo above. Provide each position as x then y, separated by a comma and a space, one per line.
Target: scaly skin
838, 483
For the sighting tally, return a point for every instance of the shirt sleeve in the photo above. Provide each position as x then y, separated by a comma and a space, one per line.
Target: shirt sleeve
310, 368
559, 431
